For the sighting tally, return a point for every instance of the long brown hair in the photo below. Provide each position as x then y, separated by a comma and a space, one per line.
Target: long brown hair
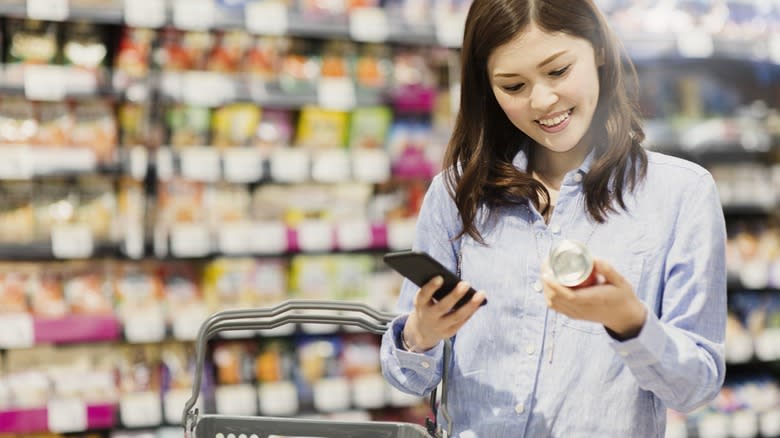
484, 143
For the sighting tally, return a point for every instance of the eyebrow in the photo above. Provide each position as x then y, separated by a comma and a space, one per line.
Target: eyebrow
548, 60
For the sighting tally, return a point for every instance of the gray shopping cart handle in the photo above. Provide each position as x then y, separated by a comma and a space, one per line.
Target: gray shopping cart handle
293, 311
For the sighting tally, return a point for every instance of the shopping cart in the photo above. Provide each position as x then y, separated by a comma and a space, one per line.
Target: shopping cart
312, 312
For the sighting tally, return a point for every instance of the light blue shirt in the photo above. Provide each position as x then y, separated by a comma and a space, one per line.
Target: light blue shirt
521, 370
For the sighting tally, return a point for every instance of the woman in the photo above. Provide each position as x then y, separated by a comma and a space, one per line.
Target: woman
547, 146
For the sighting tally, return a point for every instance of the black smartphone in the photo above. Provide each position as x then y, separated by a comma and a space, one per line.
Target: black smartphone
420, 268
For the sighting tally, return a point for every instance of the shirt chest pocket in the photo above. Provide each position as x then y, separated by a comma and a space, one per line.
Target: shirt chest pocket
625, 245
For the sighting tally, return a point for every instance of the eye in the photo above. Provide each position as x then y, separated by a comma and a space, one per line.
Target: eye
560, 72
513, 88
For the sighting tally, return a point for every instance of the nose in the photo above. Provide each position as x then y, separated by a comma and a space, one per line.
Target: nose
543, 98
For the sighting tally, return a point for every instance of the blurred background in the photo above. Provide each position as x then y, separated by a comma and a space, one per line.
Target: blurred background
164, 159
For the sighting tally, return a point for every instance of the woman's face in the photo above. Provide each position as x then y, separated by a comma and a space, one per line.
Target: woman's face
548, 86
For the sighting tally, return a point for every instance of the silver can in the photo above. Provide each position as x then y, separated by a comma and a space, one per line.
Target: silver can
572, 264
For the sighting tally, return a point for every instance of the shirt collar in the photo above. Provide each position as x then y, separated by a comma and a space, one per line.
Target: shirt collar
521, 162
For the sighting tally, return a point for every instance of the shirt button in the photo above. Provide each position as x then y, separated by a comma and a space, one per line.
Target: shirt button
537, 286
578, 177
425, 365
555, 229
530, 349
519, 408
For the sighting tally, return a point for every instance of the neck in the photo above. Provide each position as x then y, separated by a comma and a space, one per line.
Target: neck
553, 166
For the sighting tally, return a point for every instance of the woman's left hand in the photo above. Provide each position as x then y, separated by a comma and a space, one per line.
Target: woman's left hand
612, 302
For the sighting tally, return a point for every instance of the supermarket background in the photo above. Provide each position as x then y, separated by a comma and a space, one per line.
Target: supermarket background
162, 160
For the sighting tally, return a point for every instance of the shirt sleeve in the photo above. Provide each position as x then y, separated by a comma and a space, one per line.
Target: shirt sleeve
420, 373
679, 355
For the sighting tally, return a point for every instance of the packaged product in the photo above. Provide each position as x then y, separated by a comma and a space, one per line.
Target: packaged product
84, 46
184, 50
133, 124
32, 42
412, 12
15, 282
227, 203
235, 124
28, 383
321, 128
139, 369
397, 200
270, 202
55, 124
131, 204
135, 51
17, 215
373, 68
55, 202
83, 372
47, 298
139, 290
411, 69
234, 361
267, 282
274, 130
188, 125
181, 288
18, 124
179, 362
180, 201
351, 277
337, 60
228, 52
318, 358
88, 289
224, 284
275, 361
300, 67
369, 127
97, 207
263, 59
361, 355
96, 129
312, 277
408, 145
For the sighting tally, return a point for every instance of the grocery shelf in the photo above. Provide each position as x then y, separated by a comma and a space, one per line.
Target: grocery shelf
749, 210
22, 331
73, 416
104, 13
45, 252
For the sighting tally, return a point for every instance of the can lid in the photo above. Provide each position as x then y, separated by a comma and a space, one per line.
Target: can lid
571, 263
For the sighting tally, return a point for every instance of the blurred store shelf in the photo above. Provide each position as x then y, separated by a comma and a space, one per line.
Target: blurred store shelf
24, 330
63, 416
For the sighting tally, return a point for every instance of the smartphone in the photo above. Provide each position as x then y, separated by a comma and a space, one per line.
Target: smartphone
420, 268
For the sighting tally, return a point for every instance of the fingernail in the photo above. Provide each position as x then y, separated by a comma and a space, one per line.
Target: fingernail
438, 281
466, 285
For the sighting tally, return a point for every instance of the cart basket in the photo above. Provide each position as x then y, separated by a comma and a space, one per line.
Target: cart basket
299, 311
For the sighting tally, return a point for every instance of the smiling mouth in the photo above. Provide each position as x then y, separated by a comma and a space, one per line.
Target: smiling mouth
553, 122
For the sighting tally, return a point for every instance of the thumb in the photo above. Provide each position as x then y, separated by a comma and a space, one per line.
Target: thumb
611, 276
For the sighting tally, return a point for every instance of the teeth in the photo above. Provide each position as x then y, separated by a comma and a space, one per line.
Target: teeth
554, 121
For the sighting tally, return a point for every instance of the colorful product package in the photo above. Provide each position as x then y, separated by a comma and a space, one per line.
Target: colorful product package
180, 201
96, 129
337, 60
84, 46
15, 282
300, 67
88, 290
181, 288
228, 52
369, 127
55, 124
274, 130
267, 282
234, 361
139, 290
235, 124
32, 42
47, 298
139, 369
17, 215
133, 124
360, 356
351, 277
275, 361
321, 128
179, 362
263, 60
318, 358
185, 51
188, 125
135, 52
373, 68
227, 203
312, 277
55, 203
408, 145
18, 124
223, 284
97, 207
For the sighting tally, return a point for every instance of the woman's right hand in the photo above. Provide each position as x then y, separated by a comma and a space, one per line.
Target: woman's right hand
433, 321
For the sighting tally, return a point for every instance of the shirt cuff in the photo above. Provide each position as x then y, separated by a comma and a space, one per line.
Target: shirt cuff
426, 363
646, 348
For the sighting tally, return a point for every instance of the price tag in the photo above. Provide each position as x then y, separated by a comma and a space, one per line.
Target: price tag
354, 234
164, 163
695, 43
714, 425
190, 240
676, 429
336, 94
369, 25
744, 424
173, 401
400, 233
187, 322
16, 162
134, 240
140, 409
66, 415
766, 346
331, 394
139, 162
266, 17
44, 82
71, 241
236, 238
290, 165
269, 237
401, 399
242, 165
236, 400
278, 399
450, 29
739, 348
207, 88
368, 392
200, 163
194, 14
51, 10
769, 423
17, 331
145, 326
370, 165
315, 236
144, 13
331, 166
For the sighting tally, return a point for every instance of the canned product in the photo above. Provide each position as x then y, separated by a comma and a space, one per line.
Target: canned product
572, 265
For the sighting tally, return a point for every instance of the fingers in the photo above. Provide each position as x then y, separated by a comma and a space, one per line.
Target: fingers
447, 303
465, 312
611, 276
424, 296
